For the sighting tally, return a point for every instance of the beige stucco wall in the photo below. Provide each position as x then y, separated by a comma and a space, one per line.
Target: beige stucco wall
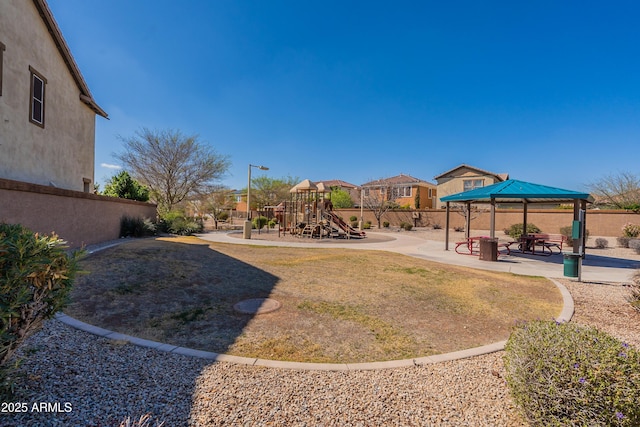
599, 222
454, 183
63, 151
77, 217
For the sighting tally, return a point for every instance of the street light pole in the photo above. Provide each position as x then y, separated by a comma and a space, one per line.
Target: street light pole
247, 224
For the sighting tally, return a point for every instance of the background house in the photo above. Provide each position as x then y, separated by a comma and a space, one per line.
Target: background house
402, 189
339, 184
47, 113
464, 178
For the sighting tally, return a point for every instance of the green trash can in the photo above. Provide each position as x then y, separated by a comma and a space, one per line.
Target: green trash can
571, 264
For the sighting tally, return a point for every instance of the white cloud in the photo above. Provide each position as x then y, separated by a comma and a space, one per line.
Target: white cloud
109, 166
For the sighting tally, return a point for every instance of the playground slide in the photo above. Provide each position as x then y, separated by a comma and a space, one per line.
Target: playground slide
344, 226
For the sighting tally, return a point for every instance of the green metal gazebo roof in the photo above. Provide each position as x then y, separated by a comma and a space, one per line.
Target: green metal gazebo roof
514, 191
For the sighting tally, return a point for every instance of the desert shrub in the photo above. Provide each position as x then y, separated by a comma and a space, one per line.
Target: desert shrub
353, 218
623, 242
566, 374
635, 245
366, 225
567, 231
437, 227
385, 224
406, 226
458, 229
354, 224
272, 223
136, 227
631, 230
259, 222
143, 421
634, 294
515, 231
176, 223
223, 216
601, 243
36, 275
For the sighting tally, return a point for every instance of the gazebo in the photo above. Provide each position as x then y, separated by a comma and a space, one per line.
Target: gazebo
514, 191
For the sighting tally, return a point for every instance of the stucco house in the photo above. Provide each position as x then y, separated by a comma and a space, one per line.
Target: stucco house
464, 178
47, 113
405, 190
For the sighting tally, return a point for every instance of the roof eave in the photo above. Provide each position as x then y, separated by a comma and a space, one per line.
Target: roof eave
65, 52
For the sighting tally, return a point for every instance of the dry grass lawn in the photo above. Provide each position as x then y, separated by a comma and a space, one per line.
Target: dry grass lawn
338, 305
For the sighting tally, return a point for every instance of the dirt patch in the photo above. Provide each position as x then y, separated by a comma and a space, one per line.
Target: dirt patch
337, 305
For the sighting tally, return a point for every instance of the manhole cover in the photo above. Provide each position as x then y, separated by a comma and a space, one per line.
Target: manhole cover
257, 306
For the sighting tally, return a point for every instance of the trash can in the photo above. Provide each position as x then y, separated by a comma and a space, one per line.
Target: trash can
488, 249
571, 264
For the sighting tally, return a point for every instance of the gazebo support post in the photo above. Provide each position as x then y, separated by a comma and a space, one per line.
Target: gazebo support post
524, 217
493, 219
467, 220
446, 230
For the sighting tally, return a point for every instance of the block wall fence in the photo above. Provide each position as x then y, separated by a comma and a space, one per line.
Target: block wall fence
599, 222
77, 217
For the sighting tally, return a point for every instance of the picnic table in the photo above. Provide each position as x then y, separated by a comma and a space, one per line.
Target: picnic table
527, 243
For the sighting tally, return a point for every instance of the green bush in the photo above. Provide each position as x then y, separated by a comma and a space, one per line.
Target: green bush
272, 223
353, 218
136, 227
406, 226
366, 225
567, 231
223, 216
515, 231
259, 222
385, 224
36, 276
175, 222
565, 374
354, 224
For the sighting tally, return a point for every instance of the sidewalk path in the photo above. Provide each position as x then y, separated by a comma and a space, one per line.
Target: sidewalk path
595, 268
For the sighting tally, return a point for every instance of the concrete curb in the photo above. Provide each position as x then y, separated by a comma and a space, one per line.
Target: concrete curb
565, 315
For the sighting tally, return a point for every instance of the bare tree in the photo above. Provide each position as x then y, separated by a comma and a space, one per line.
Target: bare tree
621, 191
174, 166
378, 200
218, 203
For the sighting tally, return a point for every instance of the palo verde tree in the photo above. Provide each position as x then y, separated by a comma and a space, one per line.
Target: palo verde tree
124, 186
620, 191
266, 191
174, 166
341, 199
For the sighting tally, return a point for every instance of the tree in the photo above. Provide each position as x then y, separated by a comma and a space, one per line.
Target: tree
174, 166
267, 191
218, 203
622, 191
341, 199
124, 186
378, 200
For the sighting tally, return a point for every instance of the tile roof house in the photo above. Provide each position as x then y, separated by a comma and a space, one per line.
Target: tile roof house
47, 113
404, 190
464, 178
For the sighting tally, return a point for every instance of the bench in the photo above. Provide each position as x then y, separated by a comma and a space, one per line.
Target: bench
473, 243
550, 241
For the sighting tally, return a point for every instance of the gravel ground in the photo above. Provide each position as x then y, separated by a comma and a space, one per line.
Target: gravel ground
92, 381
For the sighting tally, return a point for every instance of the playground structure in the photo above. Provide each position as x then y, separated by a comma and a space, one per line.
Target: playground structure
309, 213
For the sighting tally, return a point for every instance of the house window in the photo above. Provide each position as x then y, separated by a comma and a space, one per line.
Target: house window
401, 192
430, 193
87, 185
1, 50
470, 184
36, 107
366, 192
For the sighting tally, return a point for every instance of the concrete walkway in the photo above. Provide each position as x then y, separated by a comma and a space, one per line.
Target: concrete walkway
597, 269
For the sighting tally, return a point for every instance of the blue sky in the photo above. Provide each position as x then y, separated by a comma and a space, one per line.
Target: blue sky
546, 91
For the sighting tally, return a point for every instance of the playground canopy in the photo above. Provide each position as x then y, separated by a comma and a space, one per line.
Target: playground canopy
514, 191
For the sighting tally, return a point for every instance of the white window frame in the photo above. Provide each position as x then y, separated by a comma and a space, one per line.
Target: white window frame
472, 184
37, 99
